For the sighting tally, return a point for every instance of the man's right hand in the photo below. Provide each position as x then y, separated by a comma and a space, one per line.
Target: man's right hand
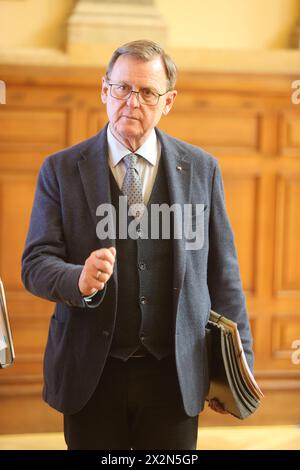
98, 268
217, 406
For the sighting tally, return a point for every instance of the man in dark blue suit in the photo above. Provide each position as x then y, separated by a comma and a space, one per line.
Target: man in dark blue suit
126, 358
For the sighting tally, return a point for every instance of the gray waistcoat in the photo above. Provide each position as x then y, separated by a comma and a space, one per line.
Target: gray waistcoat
144, 313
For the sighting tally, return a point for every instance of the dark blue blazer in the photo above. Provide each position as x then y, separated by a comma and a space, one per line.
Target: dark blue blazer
71, 185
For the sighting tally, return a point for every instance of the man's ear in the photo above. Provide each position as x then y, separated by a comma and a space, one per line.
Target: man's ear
171, 95
104, 90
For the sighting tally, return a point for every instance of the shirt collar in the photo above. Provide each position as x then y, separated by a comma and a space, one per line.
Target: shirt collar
116, 150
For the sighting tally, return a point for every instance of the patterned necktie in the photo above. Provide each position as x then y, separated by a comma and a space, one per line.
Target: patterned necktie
132, 186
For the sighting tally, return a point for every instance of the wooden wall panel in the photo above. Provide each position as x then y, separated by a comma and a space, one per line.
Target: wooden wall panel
32, 126
16, 199
21, 161
97, 118
248, 123
215, 128
28, 130
290, 133
243, 218
287, 266
285, 330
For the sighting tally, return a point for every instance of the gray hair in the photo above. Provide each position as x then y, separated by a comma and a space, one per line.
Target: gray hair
145, 50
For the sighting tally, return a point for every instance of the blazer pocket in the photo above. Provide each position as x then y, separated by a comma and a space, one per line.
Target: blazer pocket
54, 361
60, 314
57, 328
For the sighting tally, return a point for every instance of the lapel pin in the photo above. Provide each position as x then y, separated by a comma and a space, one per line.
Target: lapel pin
179, 168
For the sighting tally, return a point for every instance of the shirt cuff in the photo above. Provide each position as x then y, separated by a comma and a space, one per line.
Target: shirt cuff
95, 299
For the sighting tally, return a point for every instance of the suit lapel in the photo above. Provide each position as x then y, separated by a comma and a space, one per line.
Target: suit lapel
178, 171
94, 173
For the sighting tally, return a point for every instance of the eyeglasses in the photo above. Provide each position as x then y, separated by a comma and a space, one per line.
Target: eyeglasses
145, 95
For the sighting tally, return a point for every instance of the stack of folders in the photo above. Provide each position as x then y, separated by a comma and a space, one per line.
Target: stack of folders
7, 353
231, 380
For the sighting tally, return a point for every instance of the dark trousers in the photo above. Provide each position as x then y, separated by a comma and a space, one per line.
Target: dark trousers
137, 405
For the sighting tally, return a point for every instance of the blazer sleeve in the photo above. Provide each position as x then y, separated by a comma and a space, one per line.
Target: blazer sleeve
46, 271
224, 283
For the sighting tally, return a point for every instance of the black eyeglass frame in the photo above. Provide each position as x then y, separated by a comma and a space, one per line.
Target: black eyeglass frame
158, 95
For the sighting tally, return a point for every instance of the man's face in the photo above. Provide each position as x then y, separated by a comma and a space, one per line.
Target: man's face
130, 121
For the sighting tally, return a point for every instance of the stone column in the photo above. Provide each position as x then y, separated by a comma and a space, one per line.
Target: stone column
97, 27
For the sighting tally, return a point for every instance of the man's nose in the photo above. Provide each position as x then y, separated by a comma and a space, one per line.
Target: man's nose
133, 99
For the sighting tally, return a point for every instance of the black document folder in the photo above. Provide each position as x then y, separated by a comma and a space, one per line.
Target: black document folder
7, 353
231, 380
